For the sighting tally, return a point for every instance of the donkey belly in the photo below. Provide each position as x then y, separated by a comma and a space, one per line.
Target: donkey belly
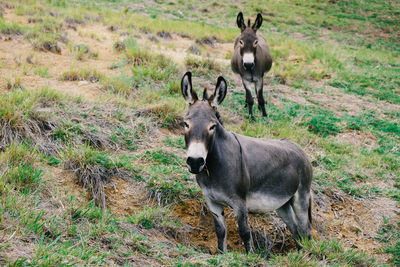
261, 202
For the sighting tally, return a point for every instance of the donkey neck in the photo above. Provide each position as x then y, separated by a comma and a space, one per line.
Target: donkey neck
225, 148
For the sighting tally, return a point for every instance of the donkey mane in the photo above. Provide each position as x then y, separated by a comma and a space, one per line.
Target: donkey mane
206, 98
219, 118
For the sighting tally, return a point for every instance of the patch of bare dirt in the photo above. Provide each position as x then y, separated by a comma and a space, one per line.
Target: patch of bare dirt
176, 47
14, 60
285, 91
123, 196
67, 183
354, 222
338, 101
358, 138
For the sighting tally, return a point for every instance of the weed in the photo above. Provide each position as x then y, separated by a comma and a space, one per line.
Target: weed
389, 234
202, 66
20, 121
18, 169
81, 75
94, 169
42, 71
166, 115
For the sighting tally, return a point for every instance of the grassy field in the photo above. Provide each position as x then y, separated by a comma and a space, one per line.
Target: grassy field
92, 165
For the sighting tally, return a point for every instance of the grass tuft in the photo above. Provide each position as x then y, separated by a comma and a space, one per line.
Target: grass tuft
94, 169
20, 120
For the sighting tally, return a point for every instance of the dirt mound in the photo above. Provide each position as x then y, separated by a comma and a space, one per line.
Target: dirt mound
123, 197
269, 231
354, 221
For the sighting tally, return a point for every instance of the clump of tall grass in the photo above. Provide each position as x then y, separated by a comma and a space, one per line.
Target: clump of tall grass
94, 169
21, 121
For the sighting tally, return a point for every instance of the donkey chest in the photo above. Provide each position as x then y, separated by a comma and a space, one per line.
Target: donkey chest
217, 195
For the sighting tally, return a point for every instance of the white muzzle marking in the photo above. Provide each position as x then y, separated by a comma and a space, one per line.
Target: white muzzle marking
248, 58
197, 150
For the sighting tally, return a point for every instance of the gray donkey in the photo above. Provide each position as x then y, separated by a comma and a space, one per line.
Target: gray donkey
251, 59
244, 173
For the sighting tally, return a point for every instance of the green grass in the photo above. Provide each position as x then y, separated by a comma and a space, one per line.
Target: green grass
206, 67
389, 235
13, 28
42, 71
19, 172
81, 75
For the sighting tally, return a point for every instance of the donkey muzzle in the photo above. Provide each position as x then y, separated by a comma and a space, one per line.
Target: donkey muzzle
195, 165
248, 61
248, 65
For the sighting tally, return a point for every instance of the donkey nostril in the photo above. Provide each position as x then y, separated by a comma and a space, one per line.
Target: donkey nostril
200, 161
248, 65
189, 160
195, 162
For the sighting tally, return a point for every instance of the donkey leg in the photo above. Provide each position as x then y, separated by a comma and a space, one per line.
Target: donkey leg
289, 218
219, 222
260, 97
244, 228
249, 97
301, 204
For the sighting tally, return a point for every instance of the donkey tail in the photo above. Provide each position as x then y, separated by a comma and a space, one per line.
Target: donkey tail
310, 208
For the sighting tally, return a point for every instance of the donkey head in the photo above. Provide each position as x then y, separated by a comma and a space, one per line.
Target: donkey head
201, 121
248, 42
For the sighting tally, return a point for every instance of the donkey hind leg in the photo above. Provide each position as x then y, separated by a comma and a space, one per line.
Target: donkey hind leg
289, 218
244, 228
260, 97
219, 222
249, 97
301, 204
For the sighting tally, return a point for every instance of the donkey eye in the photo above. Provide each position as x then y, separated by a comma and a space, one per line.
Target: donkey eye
241, 43
212, 128
186, 125
255, 43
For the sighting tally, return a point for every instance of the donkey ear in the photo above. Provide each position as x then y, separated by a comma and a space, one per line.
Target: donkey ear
240, 21
187, 89
220, 92
258, 22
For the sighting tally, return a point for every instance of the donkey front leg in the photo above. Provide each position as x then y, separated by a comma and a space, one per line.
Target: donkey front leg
219, 220
249, 96
244, 228
260, 97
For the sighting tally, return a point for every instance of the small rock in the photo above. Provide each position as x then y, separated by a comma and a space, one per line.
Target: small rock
81, 83
153, 39
207, 41
70, 26
112, 28
33, 20
74, 21
119, 46
164, 35
194, 50
29, 60
64, 39
54, 48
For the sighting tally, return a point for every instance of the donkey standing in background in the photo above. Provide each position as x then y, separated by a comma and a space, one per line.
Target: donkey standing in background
251, 59
242, 172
